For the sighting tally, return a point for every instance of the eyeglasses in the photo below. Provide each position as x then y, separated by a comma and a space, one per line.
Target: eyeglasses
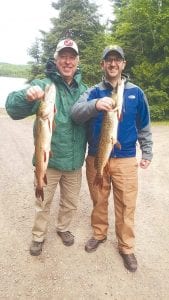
117, 60
68, 57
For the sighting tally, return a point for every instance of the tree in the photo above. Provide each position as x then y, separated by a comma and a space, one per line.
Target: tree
35, 51
91, 58
141, 27
36, 67
78, 19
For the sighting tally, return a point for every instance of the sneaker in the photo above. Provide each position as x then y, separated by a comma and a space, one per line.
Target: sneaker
130, 261
36, 248
66, 237
93, 244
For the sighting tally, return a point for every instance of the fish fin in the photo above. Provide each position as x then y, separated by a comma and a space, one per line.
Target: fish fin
118, 145
39, 193
45, 179
50, 154
106, 168
49, 124
112, 141
115, 109
98, 181
119, 116
53, 125
44, 156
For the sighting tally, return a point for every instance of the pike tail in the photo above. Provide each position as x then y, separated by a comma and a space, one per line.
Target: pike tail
39, 193
98, 181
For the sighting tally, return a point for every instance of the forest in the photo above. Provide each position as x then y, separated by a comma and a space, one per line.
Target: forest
12, 70
140, 27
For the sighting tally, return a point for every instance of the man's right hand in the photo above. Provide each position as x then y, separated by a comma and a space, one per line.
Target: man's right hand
34, 93
105, 103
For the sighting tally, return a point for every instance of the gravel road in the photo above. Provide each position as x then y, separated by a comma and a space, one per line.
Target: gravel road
69, 273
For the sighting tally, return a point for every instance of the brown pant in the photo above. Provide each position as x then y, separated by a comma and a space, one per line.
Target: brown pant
124, 179
70, 183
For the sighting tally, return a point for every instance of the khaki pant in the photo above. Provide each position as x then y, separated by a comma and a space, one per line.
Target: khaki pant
70, 183
124, 180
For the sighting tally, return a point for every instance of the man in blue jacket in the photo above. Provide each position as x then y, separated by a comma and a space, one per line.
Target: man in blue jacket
133, 126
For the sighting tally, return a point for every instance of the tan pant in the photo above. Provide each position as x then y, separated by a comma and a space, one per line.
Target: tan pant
124, 180
70, 183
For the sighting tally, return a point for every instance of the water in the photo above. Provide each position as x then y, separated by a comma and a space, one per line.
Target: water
10, 84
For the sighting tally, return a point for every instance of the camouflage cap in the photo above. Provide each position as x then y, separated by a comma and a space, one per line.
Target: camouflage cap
111, 48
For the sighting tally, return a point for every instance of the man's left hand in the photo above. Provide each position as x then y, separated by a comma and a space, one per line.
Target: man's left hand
144, 163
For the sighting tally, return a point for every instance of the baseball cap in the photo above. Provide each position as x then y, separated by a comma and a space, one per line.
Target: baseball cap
67, 43
115, 48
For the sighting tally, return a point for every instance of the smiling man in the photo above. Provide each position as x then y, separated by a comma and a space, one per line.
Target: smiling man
113, 63
67, 59
121, 171
68, 141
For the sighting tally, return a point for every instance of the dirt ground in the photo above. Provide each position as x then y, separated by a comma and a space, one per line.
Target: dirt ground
69, 273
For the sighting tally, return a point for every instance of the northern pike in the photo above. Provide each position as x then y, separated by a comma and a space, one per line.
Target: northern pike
108, 135
43, 134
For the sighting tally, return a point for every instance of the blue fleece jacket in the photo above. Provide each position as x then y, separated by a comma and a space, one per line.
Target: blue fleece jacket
134, 125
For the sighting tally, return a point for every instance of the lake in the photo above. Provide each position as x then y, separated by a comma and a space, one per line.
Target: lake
10, 84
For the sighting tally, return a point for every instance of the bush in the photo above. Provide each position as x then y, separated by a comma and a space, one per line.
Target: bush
159, 104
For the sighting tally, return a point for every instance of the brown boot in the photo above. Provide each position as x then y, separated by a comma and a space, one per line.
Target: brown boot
36, 248
66, 237
93, 244
130, 261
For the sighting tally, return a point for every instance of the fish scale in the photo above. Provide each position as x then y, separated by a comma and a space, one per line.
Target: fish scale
43, 135
108, 135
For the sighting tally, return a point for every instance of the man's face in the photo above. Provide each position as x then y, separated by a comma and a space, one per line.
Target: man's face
113, 65
67, 62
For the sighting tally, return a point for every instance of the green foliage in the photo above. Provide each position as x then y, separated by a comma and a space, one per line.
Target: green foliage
37, 71
79, 20
142, 28
91, 58
12, 70
159, 113
159, 104
139, 26
35, 51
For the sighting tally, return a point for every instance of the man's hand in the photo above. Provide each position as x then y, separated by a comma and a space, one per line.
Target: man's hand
105, 103
144, 163
34, 93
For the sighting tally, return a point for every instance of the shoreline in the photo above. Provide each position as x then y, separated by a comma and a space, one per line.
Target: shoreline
3, 111
154, 124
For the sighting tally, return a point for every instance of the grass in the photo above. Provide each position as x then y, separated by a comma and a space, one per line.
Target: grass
160, 123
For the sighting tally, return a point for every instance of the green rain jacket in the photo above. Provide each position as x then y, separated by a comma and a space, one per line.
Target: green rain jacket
68, 144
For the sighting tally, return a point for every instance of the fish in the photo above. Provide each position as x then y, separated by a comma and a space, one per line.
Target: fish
108, 135
44, 126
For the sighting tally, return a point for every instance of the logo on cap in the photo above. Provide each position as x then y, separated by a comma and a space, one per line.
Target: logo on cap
68, 43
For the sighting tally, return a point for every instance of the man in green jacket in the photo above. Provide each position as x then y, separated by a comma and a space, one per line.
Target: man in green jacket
68, 141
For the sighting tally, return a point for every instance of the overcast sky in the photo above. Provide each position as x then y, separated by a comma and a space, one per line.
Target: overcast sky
20, 22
